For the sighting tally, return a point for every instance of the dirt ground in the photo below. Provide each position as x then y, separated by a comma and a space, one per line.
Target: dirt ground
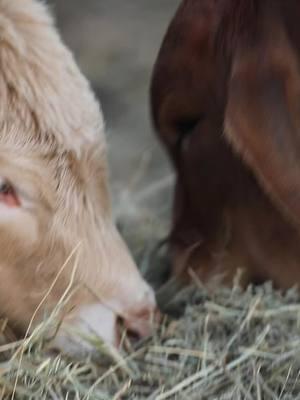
115, 43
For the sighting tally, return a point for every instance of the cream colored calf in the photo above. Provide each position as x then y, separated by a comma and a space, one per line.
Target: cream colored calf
55, 216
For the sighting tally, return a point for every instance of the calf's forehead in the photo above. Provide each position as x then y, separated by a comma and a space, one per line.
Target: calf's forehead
29, 160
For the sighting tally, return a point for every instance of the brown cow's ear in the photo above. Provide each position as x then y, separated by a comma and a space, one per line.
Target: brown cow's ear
262, 121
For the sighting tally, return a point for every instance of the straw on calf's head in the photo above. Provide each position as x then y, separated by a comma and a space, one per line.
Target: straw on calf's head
225, 94
54, 195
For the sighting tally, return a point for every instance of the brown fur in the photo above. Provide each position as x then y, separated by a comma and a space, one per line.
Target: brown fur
225, 100
52, 150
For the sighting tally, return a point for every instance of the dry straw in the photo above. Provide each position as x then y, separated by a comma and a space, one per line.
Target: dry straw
230, 344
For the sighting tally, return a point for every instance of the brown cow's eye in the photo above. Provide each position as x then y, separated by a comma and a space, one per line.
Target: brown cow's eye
184, 128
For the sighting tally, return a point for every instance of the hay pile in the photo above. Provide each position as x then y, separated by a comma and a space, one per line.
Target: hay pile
227, 345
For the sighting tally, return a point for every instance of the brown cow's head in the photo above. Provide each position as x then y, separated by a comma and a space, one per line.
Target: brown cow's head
225, 99
56, 227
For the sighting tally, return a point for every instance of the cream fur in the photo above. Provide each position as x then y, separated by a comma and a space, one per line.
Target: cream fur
52, 150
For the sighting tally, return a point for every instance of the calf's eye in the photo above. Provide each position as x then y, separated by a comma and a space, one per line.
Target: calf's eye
8, 195
6, 188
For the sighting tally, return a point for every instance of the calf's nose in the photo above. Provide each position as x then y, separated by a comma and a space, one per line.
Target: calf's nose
143, 317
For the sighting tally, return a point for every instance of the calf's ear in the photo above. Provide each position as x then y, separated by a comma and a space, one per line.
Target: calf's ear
262, 120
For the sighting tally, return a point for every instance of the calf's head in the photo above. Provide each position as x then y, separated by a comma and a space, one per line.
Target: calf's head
56, 227
225, 101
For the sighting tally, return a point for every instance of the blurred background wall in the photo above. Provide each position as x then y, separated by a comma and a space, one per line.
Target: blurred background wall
115, 43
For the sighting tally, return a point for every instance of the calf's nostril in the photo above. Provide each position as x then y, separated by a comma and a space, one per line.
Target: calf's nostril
122, 327
141, 323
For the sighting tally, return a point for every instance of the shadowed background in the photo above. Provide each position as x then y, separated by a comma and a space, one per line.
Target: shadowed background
115, 43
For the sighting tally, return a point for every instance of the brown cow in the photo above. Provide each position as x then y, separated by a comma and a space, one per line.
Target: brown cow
225, 100
56, 227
